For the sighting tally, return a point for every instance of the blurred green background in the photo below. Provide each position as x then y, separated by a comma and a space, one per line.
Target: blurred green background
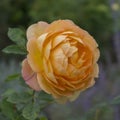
101, 18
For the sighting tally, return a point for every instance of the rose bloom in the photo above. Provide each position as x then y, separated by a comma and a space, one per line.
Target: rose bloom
62, 59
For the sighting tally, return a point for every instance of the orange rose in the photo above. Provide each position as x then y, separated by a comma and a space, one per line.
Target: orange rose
61, 59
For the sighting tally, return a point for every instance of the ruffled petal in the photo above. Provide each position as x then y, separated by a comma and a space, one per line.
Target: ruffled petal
35, 55
35, 30
43, 84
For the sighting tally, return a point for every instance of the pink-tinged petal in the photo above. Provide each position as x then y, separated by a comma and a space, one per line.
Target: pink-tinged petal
29, 76
35, 30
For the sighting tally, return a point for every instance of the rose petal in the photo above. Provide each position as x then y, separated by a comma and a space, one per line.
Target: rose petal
41, 40
35, 56
68, 49
68, 25
90, 41
96, 71
74, 96
58, 39
47, 50
49, 70
96, 55
29, 76
35, 30
77, 39
43, 84
59, 61
65, 25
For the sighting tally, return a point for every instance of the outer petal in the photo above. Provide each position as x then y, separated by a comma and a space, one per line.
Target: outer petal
35, 56
68, 25
35, 30
74, 96
65, 25
63, 99
96, 55
29, 76
96, 71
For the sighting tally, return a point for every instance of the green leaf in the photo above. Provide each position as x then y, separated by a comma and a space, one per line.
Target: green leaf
44, 96
22, 82
21, 97
30, 112
17, 36
20, 106
2, 117
93, 110
15, 49
43, 99
115, 101
12, 77
8, 109
8, 93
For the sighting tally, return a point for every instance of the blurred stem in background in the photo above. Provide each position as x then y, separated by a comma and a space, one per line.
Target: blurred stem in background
115, 5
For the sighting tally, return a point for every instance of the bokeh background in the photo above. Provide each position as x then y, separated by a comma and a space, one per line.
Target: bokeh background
101, 18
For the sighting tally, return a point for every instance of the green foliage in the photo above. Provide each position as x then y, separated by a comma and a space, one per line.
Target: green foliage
115, 101
26, 104
18, 37
102, 111
94, 16
17, 98
23, 103
43, 96
8, 109
14, 49
43, 100
12, 77
30, 112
